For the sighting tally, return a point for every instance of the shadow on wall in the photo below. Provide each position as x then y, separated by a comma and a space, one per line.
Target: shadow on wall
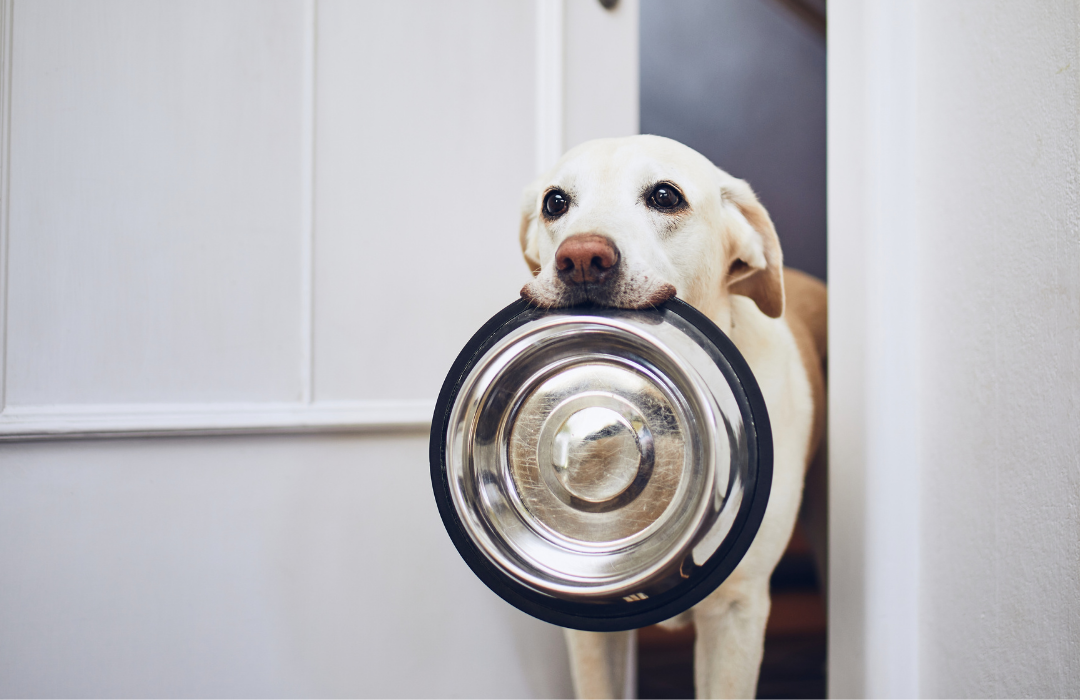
744, 84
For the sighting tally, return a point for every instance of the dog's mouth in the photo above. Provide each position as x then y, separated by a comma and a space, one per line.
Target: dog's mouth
620, 291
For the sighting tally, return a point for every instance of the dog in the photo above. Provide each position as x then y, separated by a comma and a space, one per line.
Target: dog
631, 223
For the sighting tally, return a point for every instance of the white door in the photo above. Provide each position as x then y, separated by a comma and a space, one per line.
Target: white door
243, 242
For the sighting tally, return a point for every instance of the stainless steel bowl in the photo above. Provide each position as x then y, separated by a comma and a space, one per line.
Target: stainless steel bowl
598, 468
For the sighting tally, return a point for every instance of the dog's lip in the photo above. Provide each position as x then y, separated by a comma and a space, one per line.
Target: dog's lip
648, 296
641, 291
585, 295
590, 288
602, 295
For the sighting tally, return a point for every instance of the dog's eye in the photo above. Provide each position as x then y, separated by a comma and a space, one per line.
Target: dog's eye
665, 197
556, 204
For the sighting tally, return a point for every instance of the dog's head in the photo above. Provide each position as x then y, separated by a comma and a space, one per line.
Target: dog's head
632, 222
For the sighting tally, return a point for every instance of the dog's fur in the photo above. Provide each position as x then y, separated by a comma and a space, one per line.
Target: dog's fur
720, 253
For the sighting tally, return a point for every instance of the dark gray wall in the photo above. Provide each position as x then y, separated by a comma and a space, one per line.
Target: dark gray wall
743, 82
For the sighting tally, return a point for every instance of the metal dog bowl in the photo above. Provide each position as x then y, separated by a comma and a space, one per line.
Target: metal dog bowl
601, 469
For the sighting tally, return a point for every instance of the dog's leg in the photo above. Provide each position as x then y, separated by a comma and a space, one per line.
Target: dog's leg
601, 663
730, 631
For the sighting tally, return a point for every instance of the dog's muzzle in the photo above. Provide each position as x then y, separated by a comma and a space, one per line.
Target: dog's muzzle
601, 469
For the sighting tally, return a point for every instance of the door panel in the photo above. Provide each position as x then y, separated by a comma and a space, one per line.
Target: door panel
425, 132
156, 209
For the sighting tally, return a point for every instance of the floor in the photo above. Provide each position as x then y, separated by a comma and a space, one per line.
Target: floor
794, 663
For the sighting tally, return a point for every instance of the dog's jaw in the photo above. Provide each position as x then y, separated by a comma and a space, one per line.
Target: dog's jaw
622, 292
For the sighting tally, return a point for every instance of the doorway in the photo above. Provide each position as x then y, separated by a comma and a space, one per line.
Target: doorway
744, 84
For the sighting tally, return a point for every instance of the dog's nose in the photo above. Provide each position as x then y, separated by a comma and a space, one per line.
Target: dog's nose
586, 258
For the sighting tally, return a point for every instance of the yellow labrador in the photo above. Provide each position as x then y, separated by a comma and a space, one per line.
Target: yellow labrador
630, 223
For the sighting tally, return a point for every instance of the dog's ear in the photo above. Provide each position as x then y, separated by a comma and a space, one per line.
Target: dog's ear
756, 269
528, 233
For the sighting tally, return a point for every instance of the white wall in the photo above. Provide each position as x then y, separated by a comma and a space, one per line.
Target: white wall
954, 265
224, 223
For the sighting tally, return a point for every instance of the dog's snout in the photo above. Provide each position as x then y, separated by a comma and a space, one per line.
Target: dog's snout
586, 258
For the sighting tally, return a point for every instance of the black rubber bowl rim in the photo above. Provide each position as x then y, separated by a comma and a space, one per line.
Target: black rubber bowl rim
612, 616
